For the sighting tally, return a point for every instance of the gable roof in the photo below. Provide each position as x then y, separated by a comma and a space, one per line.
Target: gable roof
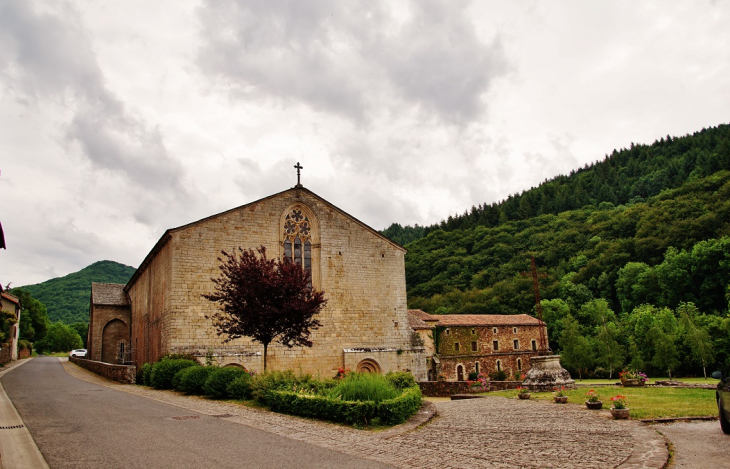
9, 297
167, 235
418, 319
487, 320
108, 294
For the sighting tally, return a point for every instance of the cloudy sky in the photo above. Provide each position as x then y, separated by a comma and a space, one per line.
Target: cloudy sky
119, 119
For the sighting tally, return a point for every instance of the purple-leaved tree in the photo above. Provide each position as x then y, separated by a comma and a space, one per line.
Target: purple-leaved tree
265, 299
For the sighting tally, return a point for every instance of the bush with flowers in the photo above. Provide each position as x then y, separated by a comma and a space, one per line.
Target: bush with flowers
522, 390
619, 402
560, 392
481, 383
593, 396
633, 374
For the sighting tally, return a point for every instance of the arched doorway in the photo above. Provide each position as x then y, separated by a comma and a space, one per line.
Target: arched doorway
368, 366
460, 373
114, 332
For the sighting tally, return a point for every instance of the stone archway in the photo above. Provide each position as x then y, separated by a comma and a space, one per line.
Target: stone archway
114, 332
368, 366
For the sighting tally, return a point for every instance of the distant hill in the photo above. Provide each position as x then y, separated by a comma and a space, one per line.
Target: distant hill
67, 298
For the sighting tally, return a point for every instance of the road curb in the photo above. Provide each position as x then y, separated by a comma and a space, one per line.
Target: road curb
17, 447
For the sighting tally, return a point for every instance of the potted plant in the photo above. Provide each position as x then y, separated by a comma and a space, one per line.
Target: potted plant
632, 378
560, 395
593, 401
523, 393
619, 410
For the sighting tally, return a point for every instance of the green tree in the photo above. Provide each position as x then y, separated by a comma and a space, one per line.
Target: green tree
577, 352
663, 338
696, 338
82, 328
60, 338
33, 316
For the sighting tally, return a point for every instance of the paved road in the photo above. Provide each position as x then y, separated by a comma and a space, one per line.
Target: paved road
697, 444
77, 424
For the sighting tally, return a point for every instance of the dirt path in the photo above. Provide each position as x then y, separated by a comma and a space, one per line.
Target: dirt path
697, 444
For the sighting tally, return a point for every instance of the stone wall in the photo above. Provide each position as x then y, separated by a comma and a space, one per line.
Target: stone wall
101, 316
5, 353
511, 359
504, 385
361, 273
444, 388
119, 373
24, 353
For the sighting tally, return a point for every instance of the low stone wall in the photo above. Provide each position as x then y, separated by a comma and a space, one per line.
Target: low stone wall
119, 373
444, 388
24, 353
504, 385
5, 356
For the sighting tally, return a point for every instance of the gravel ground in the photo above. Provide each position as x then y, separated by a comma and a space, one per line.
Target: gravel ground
699, 444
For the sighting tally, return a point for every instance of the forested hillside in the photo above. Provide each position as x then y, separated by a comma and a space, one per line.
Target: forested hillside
67, 298
647, 226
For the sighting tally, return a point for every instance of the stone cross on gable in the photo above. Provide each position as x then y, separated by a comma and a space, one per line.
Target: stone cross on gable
298, 167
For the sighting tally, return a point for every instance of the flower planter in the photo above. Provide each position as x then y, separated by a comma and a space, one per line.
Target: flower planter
561, 399
598, 405
628, 383
620, 414
524, 395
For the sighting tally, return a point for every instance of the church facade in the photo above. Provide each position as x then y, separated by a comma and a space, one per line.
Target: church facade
364, 323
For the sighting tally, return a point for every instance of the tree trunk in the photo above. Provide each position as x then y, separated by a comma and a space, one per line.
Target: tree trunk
266, 347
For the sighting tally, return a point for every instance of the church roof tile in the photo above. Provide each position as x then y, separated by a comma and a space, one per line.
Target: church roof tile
111, 294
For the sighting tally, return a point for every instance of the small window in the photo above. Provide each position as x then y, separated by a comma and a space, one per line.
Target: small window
448, 331
456, 346
495, 344
476, 367
499, 365
516, 344
534, 345
494, 330
473, 346
514, 330
473, 331
519, 364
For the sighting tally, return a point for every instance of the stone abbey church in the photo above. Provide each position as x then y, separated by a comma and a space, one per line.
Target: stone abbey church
365, 323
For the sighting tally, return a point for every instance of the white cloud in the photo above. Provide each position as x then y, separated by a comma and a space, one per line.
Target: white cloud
121, 119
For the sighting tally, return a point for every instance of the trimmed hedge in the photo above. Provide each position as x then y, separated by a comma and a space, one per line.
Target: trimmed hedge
401, 379
144, 374
163, 372
217, 383
193, 379
240, 388
388, 412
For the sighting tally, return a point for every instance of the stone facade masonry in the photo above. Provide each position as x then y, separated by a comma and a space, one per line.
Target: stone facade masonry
507, 356
361, 273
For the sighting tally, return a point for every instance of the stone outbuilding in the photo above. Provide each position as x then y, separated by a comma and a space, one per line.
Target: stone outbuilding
11, 304
364, 323
109, 320
460, 344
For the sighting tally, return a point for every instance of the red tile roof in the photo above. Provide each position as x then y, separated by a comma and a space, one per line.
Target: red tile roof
417, 319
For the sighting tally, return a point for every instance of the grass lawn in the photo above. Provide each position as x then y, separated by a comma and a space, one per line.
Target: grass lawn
700, 380
643, 402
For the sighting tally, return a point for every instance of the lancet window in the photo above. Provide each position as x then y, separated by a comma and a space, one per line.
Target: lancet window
298, 240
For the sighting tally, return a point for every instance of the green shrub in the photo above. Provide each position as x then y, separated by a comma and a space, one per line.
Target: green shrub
401, 379
241, 387
364, 387
387, 412
164, 371
180, 356
177, 379
193, 379
265, 383
144, 374
25, 345
473, 376
500, 375
216, 385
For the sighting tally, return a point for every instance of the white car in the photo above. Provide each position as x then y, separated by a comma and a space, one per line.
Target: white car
79, 353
